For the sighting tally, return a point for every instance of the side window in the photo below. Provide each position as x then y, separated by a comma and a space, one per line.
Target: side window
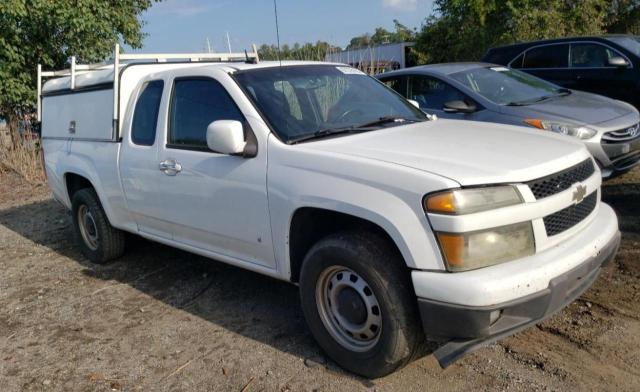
396, 84
590, 55
194, 105
548, 56
145, 116
517, 62
432, 93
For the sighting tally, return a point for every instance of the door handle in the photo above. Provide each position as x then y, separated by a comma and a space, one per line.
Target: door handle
170, 167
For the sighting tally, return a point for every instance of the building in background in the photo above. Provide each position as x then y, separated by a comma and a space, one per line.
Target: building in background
376, 59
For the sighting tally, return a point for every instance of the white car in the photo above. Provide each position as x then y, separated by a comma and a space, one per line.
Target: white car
396, 228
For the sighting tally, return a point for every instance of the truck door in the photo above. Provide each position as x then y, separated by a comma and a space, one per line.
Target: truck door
212, 201
138, 161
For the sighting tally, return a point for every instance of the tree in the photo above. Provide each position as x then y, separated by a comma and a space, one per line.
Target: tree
381, 35
49, 32
306, 51
463, 30
624, 16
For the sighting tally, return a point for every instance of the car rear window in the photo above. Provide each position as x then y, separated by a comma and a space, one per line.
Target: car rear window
145, 117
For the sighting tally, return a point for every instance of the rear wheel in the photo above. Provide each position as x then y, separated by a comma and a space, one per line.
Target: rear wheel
98, 240
359, 303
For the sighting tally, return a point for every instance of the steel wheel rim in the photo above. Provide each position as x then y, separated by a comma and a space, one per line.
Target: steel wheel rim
354, 336
88, 227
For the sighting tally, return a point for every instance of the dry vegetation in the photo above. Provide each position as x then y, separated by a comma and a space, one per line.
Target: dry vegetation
21, 154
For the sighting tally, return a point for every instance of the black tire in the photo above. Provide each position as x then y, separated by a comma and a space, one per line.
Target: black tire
371, 257
109, 241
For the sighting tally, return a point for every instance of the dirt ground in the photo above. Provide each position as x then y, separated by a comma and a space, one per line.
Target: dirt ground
163, 319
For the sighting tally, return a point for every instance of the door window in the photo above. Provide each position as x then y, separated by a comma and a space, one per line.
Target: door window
432, 93
591, 55
548, 56
517, 62
195, 104
145, 116
395, 84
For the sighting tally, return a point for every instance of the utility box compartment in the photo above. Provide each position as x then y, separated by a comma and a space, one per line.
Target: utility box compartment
78, 114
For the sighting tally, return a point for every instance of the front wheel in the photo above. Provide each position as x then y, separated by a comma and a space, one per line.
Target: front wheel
359, 303
98, 240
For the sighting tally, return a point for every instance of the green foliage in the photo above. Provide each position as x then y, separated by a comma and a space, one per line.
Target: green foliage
624, 16
464, 29
50, 31
381, 35
307, 51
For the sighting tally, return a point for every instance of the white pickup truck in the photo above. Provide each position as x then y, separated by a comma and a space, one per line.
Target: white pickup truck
396, 228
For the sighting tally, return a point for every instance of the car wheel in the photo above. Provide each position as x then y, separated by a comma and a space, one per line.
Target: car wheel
359, 303
98, 240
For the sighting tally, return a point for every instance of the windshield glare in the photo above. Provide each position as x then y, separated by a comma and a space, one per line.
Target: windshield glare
631, 43
302, 100
505, 86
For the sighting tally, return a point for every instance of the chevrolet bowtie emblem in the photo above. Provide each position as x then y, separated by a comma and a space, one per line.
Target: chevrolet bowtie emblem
579, 193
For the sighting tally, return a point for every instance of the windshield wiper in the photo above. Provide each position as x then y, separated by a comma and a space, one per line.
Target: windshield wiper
385, 120
562, 91
324, 133
351, 129
558, 93
530, 102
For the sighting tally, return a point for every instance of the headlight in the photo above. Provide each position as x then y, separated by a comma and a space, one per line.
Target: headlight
467, 251
563, 128
467, 201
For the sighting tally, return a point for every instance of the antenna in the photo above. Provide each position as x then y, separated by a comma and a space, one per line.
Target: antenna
275, 10
209, 46
228, 42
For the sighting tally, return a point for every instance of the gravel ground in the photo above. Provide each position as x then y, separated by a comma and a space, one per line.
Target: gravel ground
162, 319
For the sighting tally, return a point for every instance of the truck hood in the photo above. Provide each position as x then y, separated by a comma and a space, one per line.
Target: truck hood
577, 108
470, 153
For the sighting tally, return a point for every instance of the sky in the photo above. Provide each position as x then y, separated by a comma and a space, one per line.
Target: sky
175, 26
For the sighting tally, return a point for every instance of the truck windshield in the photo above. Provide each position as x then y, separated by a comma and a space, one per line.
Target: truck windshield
306, 100
506, 86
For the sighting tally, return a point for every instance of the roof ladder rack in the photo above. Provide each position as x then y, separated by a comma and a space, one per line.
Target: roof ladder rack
120, 58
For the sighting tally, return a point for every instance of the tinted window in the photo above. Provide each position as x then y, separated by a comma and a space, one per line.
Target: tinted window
590, 55
549, 56
195, 104
396, 84
145, 117
432, 93
517, 63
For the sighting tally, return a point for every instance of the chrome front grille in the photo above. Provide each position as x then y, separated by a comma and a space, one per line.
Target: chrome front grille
558, 182
568, 217
622, 135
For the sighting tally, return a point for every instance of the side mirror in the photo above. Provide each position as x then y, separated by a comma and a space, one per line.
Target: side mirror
226, 137
618, 61
414, 103
459, 107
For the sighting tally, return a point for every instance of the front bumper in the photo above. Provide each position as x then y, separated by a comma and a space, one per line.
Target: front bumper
618, 157
468, 327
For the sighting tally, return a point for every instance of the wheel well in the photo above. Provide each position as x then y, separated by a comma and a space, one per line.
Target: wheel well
75, 182
309, 225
